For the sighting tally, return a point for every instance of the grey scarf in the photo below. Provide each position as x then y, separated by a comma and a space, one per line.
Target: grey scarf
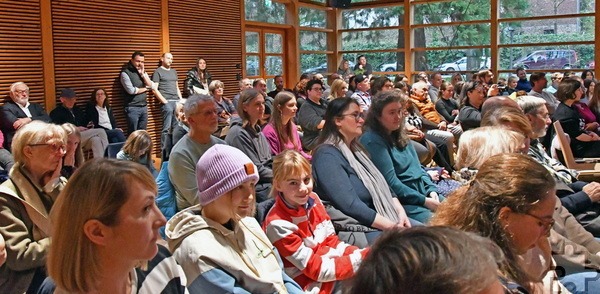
372, 179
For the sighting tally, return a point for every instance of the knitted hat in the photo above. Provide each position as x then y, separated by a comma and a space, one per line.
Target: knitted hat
221, 169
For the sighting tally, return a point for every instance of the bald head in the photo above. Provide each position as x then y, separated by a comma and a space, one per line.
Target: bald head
497, 102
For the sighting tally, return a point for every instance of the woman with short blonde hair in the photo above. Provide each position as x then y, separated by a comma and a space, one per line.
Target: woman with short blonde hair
477, 145
25, 201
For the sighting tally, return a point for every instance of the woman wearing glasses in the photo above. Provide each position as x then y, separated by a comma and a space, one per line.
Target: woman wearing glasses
26, 200
471, 100
511, 200
355, 193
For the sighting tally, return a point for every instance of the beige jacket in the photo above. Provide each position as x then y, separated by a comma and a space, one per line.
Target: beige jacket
25, 226
573, 248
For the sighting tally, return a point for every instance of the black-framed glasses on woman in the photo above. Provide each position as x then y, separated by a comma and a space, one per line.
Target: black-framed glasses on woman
357, 115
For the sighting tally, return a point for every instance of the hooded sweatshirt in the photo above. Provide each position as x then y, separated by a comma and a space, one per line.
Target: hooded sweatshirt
216, 259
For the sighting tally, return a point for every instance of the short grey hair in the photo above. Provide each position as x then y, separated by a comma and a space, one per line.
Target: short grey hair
35, 132
530, 104
191, 104
15, 84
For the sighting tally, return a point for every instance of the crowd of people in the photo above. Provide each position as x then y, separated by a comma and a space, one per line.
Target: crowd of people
360, 182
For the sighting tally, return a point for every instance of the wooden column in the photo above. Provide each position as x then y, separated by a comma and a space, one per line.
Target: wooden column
597, 39
165, 45
48, 55
494, 36
408, 40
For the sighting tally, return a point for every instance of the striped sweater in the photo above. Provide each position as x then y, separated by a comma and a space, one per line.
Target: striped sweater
312, 253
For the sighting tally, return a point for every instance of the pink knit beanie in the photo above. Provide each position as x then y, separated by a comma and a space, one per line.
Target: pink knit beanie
221, 169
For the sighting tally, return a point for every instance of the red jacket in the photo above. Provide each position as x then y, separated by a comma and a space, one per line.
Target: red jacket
311, 251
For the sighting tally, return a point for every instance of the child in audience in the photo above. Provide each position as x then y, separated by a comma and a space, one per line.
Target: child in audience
221, 248
74, 154
302, 232
138, 148
105, 233
423, 260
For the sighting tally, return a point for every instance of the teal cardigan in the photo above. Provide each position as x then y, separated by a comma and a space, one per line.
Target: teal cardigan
400, 168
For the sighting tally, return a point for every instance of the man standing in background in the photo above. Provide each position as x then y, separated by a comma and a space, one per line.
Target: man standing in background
168, 93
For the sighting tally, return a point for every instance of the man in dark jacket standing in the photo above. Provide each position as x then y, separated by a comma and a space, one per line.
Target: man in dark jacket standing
136, 83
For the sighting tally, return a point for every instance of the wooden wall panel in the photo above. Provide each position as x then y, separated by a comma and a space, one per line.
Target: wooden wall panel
209, 29
21, 48
93, 40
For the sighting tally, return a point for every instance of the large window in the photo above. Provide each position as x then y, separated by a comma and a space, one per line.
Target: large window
313, 42
547, 35
378, 34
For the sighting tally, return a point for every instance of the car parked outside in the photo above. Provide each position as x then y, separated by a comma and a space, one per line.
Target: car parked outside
548, 59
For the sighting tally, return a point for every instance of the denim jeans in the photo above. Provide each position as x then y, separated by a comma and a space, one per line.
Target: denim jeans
169, 122
115, 136
137, 118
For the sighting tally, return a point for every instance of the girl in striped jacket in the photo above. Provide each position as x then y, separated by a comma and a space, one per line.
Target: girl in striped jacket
300, 229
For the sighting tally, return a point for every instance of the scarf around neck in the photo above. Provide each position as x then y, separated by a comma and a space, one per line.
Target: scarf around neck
372, 178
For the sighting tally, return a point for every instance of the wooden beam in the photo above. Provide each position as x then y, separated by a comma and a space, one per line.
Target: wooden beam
494, 36
597, 39
48, 55
165, 45
408, 40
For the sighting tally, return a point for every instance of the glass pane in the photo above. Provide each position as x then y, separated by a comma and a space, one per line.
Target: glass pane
252, 42
252, 65
270, 84
274, 43
372, 40
312, 17
265, 11
380, 61
313, 63
451, 36
274, 65
373, 17
547, 31
452, 11
547, 57
525, 8
313, 41
453, 60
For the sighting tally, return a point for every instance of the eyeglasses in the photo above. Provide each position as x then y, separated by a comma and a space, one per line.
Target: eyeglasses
319, 89
357, 115
55, 147
21, 91
545, 223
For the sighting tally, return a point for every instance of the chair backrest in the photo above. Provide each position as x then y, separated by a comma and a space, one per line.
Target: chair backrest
113, 149
565, 146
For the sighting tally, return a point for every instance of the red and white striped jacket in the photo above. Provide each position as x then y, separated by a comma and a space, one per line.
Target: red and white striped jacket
311, 251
